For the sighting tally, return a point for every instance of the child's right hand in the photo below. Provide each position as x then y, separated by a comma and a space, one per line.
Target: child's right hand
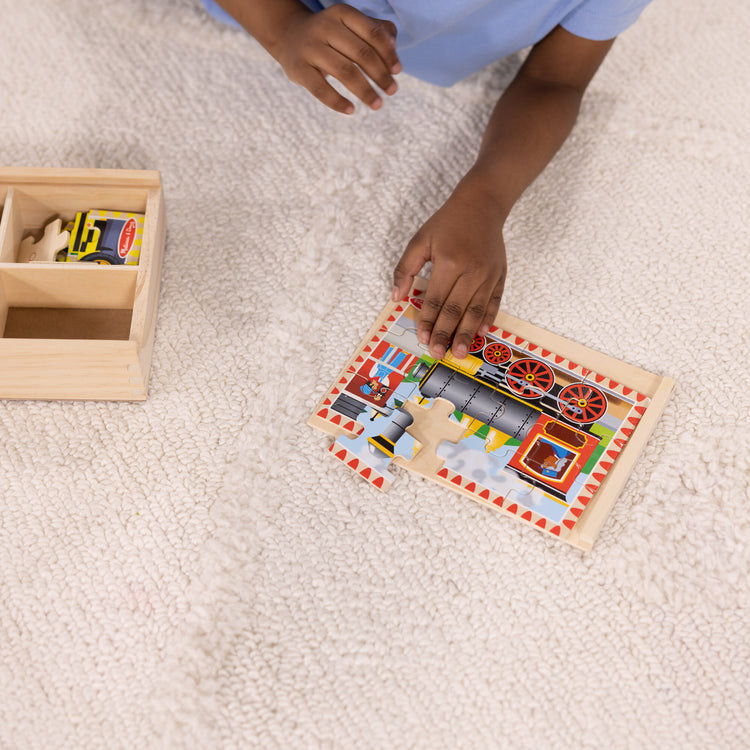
341, 42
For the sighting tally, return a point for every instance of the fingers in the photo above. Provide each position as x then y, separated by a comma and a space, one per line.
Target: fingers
349, 70
442, 311
464, 241
348, 63
313, 78
314, 81
450, 320
493, 306
355, 49
454, 312
468, 326
414, 257
379, 37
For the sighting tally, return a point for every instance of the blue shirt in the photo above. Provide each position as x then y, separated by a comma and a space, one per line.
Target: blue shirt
443, 41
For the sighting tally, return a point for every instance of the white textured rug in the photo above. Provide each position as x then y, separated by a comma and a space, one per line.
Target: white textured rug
196, 572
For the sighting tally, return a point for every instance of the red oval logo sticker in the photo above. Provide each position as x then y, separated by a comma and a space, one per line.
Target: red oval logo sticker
127, 238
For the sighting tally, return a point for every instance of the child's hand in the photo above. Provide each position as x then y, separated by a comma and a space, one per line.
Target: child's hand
341, 42
464, 241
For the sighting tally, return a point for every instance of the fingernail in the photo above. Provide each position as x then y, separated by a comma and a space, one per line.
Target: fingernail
349, 109
394, 294
460, 351
377, 103
438, 352
392, 89
396, 68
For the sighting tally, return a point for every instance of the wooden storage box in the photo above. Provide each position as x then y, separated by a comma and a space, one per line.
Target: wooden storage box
77, 330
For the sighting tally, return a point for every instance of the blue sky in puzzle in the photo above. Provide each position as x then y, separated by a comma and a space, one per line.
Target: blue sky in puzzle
470, 459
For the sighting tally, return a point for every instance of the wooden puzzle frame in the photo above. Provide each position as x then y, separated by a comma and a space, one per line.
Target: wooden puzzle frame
585, 516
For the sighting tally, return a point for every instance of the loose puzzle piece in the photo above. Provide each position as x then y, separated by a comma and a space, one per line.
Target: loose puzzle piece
513, 425
431, 425
106, 237
46, 249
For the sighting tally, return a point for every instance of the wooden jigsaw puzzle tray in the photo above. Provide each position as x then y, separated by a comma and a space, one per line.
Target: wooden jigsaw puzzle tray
529, 423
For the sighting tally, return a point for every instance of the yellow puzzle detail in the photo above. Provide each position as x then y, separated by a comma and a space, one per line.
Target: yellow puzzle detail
106, 237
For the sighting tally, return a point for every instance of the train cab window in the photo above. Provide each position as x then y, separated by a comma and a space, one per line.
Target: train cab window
547, 459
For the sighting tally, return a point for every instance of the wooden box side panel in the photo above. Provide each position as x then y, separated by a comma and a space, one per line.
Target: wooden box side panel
101, 178
56, 183
37, 205
3, 309
143, 326
61, 369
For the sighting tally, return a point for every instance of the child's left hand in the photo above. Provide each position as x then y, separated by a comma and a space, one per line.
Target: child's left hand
464, 241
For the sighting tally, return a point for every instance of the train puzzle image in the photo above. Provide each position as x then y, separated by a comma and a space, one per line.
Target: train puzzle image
512, 424
517, 397
551, 453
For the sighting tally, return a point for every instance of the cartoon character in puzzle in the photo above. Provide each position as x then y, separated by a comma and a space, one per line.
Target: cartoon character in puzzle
377, 387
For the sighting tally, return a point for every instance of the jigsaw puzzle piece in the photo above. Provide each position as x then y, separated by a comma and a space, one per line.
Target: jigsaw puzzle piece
534, 499
47, 248
403, 333
430, 426
474, 464
339, 413
379, 444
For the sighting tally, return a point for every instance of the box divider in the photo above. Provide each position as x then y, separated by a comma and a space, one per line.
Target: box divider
69, 285
11, 228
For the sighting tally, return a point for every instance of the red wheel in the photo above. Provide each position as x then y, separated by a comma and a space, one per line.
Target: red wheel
582, 403
529, 378
497, 353
476, 345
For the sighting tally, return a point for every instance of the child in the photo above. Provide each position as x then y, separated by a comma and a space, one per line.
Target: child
442, 41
